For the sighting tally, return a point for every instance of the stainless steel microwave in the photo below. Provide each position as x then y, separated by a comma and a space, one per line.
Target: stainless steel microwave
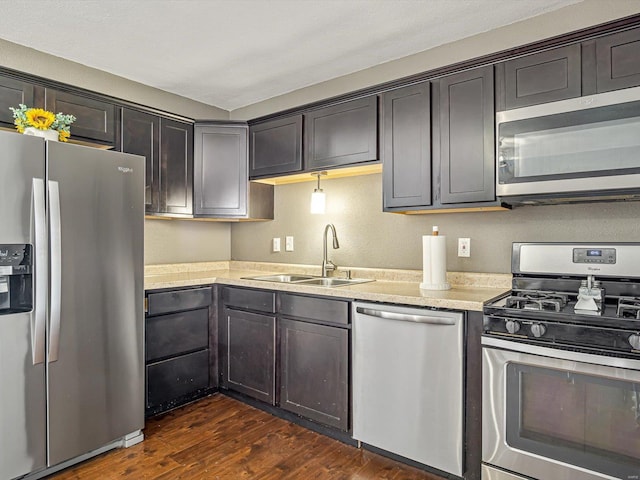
577, 149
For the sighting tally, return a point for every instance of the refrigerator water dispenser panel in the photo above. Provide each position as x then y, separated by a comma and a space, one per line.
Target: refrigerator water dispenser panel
16, 285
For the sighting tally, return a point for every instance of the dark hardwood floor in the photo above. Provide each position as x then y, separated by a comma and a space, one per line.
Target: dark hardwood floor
222, 438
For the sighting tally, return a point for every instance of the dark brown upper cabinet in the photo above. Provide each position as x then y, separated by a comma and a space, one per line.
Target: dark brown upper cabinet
140, 134
618, 61
406, 146
167, 146
541, 77
467, 129
342, 134
12, 93
276, 147
176, 167
95, 119
220, 170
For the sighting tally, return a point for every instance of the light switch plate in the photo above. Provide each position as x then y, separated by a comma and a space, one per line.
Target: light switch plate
288, 244
464, 247
276, 244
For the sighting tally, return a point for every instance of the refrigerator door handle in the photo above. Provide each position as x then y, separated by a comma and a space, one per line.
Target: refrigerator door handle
39, 317
55, 243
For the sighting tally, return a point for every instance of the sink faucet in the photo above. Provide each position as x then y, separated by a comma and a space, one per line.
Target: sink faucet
328, 265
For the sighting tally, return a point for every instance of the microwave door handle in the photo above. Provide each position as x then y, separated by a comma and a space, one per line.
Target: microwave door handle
39, 315
56, 270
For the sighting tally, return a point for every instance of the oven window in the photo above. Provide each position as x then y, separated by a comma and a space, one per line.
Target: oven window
595, 142
586, 421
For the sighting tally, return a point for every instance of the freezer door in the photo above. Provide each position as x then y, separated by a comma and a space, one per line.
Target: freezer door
95, 358
22, 380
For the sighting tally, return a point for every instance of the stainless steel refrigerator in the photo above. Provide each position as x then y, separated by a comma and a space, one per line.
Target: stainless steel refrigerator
71, 311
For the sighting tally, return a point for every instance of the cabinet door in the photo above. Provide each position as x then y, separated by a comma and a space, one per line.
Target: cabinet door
249, 354
220, 171
176, 167
406, 146
314, 372
276, 147
467, 165
618, 61
342, 134
12, 93
95, 119
141, 136
543, 77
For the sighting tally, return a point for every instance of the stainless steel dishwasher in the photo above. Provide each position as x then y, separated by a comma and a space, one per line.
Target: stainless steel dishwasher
408, 383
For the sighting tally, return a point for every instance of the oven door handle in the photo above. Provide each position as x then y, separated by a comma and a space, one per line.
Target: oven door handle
519, 347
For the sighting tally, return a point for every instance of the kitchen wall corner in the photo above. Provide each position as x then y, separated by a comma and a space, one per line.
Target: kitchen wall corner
371, 238
184, 241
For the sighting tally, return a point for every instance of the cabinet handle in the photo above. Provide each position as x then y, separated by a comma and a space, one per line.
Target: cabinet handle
405, 317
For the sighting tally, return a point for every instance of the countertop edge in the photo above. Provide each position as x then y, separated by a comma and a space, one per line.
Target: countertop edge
406, 293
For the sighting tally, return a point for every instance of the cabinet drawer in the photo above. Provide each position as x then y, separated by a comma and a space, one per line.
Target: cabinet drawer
249, 299
176, 377
169, 335
320, 309
169, 302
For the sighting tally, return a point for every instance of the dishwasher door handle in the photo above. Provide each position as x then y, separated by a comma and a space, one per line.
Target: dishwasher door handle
405, 317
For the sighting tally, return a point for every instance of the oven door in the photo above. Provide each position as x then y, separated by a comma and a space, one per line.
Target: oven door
556, 414
575, 145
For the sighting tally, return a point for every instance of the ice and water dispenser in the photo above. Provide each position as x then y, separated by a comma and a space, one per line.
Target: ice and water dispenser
16, 285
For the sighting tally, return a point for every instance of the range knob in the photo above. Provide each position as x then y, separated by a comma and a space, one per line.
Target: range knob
538, 330
634, 341
512, 326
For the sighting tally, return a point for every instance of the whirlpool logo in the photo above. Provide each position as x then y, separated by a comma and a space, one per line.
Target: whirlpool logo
593, 269
125, 169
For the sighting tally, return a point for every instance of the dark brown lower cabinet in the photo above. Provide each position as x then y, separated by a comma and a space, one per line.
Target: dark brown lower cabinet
249, 354
179, 344
314, 371
171, 380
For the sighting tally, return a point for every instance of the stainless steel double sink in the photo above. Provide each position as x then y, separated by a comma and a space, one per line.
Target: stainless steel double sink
309, 280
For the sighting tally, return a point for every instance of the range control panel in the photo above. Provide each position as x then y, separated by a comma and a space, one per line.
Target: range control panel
15, 259
594, 255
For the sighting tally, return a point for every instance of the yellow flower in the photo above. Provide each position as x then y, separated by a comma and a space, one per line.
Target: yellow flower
63, 136
39, 118
19, 125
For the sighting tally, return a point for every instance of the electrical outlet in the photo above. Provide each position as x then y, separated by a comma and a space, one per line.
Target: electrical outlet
464, 247
276, 244
288, 244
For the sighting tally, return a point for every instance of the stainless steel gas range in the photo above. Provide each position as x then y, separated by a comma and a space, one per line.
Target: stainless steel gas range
561, 365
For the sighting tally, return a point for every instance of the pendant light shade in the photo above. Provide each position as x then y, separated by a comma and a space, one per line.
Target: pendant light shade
318, 198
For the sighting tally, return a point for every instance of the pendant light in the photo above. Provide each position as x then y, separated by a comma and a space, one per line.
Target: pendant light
318, 197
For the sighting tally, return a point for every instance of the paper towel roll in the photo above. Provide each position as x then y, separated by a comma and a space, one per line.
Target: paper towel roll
434, 263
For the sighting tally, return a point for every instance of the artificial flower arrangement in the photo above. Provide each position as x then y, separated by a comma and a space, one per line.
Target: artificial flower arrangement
40, 119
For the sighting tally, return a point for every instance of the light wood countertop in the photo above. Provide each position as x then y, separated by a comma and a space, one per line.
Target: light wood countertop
470, 293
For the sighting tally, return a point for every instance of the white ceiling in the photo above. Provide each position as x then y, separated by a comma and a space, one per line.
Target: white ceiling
232, 53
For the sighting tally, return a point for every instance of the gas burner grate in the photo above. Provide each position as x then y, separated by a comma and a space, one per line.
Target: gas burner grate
628, 307
537, 300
